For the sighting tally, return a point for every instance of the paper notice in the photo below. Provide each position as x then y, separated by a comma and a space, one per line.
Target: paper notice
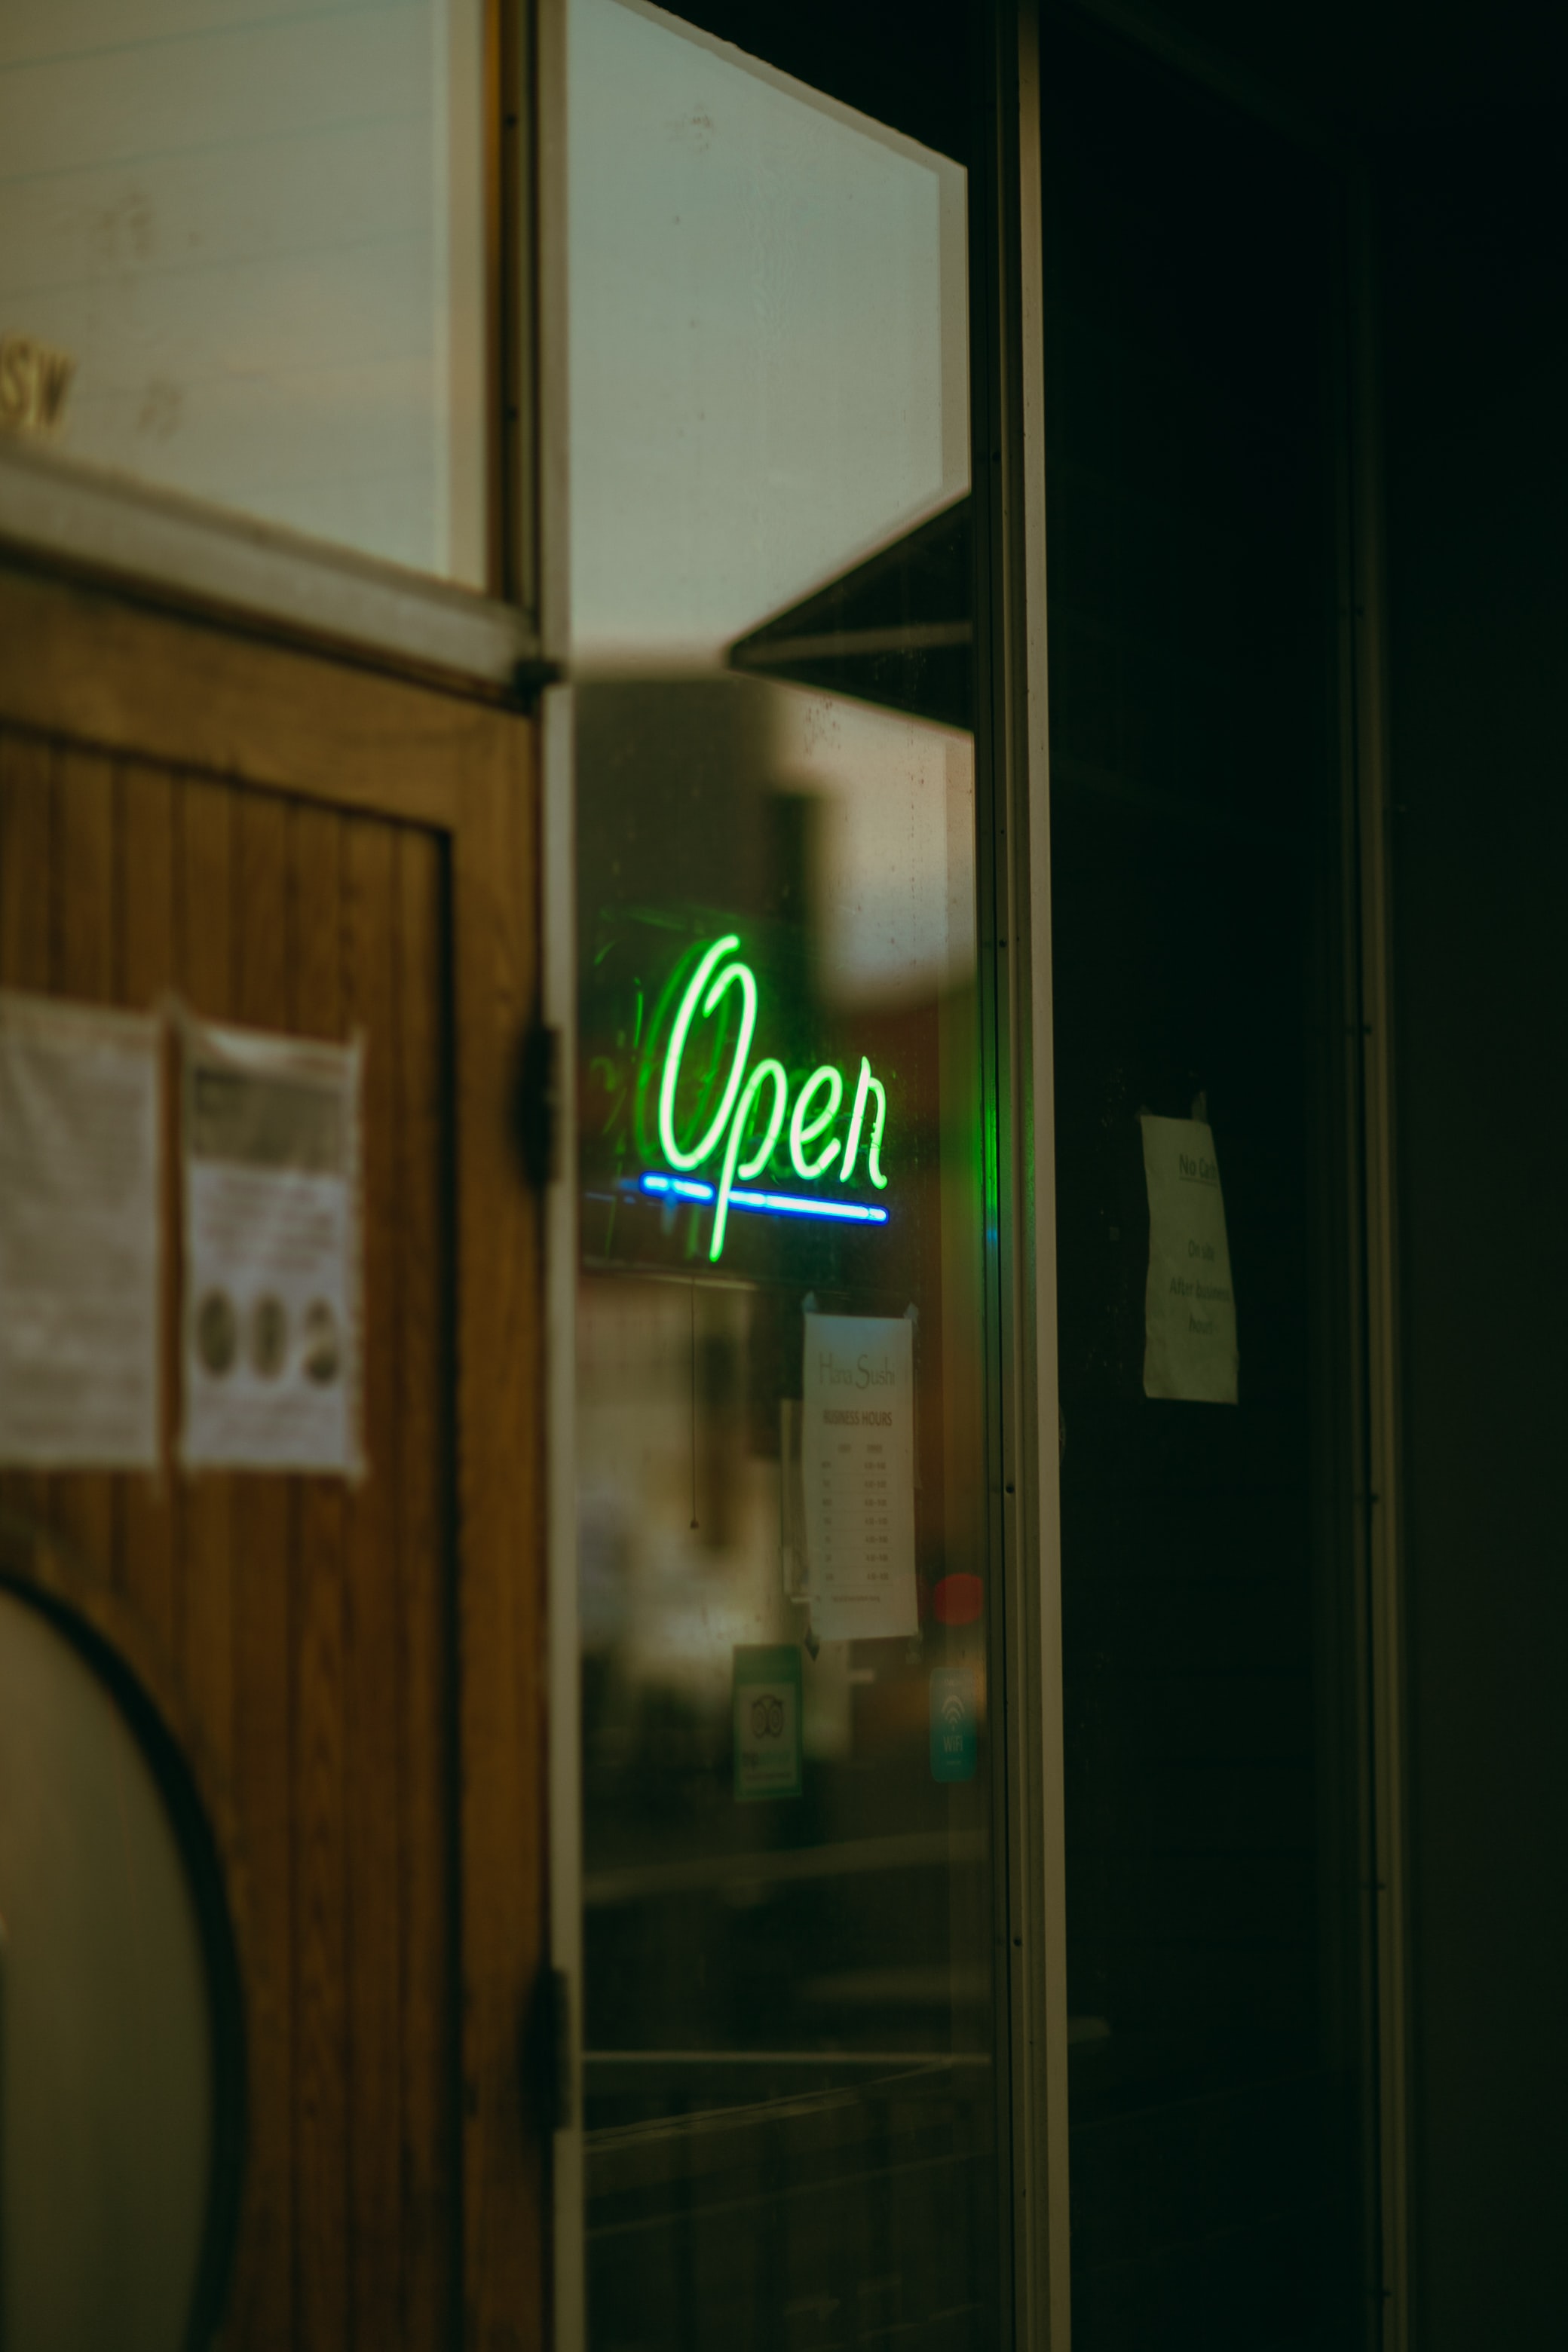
857, 1476
1190, 1312
272, 1253
80, 1152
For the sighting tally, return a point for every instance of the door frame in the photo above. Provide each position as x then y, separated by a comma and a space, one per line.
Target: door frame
1013, 764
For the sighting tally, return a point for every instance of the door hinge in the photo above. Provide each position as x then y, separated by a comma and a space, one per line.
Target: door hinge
548, 2070
560, 2046
530, 677
538, 1105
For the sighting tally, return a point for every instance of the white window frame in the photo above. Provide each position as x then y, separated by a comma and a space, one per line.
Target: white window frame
164, 548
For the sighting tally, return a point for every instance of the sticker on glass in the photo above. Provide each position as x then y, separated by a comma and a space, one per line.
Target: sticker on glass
767, 1720
954, 1720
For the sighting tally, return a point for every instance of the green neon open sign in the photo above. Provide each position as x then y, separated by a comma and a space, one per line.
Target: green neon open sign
746, 1127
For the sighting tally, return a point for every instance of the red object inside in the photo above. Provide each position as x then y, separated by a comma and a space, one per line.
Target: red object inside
958, 1600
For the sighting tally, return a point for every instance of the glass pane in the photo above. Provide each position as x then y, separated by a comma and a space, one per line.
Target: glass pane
240, 257
791, 2107
1213, 1861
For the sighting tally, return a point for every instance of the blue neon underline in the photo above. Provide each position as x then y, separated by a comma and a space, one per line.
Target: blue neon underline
775, 1204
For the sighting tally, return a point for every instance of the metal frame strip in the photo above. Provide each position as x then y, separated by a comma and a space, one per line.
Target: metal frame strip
1383, 1517
558, 873
549, 519
1029, 1504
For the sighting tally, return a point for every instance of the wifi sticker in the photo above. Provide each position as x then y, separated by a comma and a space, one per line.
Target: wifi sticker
955, 1707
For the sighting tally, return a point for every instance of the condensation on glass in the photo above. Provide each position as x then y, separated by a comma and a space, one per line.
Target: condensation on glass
791, 2104
241, 258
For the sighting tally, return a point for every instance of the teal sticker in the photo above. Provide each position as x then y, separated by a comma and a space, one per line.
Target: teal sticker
767, 1721
955, 1711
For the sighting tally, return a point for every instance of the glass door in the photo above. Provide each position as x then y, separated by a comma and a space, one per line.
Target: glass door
792, 2113
1220, 1966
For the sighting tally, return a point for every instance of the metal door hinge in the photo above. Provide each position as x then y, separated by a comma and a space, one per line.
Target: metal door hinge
530, 677
538, 1105
548, 2073
560, 2046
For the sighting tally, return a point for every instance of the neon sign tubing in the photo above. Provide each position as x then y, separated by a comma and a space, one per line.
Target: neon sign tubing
711, 982
777, 1205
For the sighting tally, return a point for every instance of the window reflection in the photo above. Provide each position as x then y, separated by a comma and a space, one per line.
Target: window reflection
791, 2116
252, 234
768, 348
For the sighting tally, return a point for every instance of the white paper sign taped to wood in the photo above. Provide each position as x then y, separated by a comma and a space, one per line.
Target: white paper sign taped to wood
1189, 1346
272, 1234
857, 1476
80, 1261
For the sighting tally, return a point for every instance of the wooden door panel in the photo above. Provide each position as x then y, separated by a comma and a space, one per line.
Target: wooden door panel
311, 1626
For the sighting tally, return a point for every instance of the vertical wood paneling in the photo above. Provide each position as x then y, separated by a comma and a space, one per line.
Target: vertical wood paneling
27, 804
263, 1754
320, 1828
373, 1694
27, 801
144, 927
82, 966
203, 900
311, 1629
429, 2155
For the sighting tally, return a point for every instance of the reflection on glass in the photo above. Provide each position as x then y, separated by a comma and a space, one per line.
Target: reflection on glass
240, 257
791, 2113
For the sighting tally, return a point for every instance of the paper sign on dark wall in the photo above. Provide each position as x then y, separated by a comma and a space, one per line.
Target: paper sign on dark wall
1190, 1349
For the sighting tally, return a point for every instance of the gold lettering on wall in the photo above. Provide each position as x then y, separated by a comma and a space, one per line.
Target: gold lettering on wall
35, 384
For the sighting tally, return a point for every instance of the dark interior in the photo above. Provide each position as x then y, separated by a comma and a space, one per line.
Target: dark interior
1212, 1905
1200, 165
1454, 115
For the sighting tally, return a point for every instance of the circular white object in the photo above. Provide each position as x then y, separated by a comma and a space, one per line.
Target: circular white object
105, 2018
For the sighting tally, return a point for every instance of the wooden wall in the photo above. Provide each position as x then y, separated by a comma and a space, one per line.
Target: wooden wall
314, 1633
